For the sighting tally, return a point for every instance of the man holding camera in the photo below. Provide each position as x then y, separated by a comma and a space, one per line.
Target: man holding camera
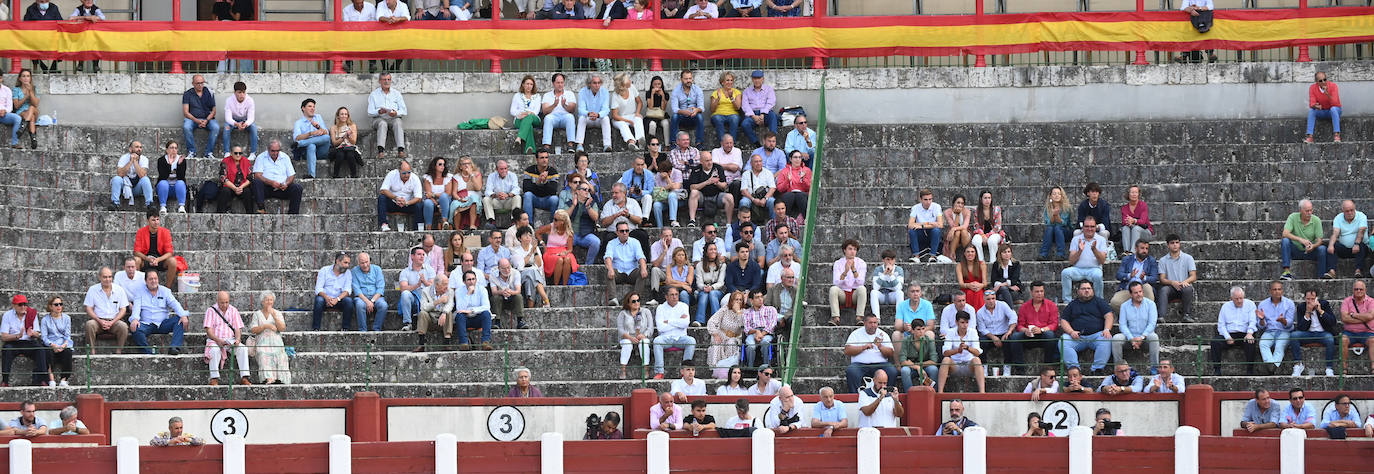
957, 421
878, 405
1105, 426
604, 428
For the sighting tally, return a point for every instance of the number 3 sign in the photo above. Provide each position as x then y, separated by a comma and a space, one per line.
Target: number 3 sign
506, 423
228, 422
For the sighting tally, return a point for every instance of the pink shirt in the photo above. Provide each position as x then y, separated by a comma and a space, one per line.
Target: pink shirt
215, 325
435, 258
1348, 306
636, 14
656, 412
849, 281
1141, 214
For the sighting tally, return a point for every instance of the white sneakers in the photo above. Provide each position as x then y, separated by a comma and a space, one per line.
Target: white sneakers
419, 227
162, 210
1298, 369
181, 208
386, 228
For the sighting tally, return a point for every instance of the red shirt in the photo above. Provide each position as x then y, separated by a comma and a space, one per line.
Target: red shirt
241, 169
1047, 317
164, 242
1330, 98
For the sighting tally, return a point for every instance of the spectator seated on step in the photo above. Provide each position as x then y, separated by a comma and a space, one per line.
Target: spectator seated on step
224, 334
333, 288
107, 307
131, 173
311, 134
1323, 102
961, 354
847, 284
274, 176
1087, 253
436, 309
506, 295
153, 248
369, 286
402, 191
869, 350
152, 303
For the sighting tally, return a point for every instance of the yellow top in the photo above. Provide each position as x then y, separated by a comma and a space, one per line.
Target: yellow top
726, 98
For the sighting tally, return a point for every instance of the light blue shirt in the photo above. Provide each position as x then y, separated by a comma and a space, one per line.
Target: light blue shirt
366, 284
150, 308
774, 247
1303, 415
13, 323
588, 102
625, 256
278, 170
773, 162
18, 424
1254, 414
509, 185
796, 142
1137, 383
303, 125
1232, 319
1164, 387
487, 259
644, 180
332, 285
1138, 321
1348, 229
833, 414
56, 331
997, 321
1333, 415
412, 276
1272, 312
679, 99
378, 100
476, 301
924, 311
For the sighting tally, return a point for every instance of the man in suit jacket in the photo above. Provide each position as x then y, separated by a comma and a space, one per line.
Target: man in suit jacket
1138, 266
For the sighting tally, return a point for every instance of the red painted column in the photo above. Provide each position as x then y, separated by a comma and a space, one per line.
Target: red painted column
637, 410
176, 21
1201, 409
1140, 54
1302, 50
922, 409
90, 408
496, 17
656, 63
978, 60
821, 6
337, 67
366, 417
16, 12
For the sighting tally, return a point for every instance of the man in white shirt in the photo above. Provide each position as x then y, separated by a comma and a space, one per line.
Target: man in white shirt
274, 176
130, 279
757, 187
702, 10
502, 193
766, 384
958, 305
1087, 252
787, 259
878, 405
401, 192
392, 12
923, 228
689, 385
131, 176
106, 305
870, 351
996, 324
785, 412
558, 108
387, 107
672, 319
1236, 325
359, 10
961, 354
661, 255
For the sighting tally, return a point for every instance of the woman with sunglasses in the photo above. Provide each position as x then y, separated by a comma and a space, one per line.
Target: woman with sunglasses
234, 173
57, 335
635, 326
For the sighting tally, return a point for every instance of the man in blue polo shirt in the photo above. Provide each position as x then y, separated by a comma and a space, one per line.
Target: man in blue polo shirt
151, 304
198, 111
829, 414
625, 263
1261, 413
311, 134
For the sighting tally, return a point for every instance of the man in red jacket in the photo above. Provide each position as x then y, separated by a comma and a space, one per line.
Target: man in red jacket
153, 249
1323, 102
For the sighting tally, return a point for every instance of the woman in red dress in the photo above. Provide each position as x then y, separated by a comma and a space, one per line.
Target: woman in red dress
973, 276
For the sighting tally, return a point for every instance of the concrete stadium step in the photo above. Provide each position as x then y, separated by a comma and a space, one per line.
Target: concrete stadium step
1161, 213
1049, 270
1029, 251
1208, 290
1115, 175
1204, 312
302, 298
1171, 334
331, 391
1075, 160
1251, 131
869, 231
553, 318
419, 142
595, 337
847, 194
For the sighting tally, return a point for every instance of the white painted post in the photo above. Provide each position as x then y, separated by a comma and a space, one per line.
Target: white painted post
340, 454
1292, 460
1185, 450
21, 456
234, 462
658, 453
126, 458
763, 451
551, 453
1080, 450
869, 442
975, 450
446, 454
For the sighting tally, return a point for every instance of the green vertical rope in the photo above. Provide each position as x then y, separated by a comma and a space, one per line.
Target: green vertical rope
798, 317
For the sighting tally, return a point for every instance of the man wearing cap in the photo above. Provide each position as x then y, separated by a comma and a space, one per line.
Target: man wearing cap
758, 103
19, 331
151, 304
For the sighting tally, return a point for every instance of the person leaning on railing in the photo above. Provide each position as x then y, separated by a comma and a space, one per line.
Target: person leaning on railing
176, 436
43, 10
26, 425
88, 12
67, 423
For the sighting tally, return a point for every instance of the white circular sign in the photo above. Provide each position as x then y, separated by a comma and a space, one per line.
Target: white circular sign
506, 423
1061, 415
228, 422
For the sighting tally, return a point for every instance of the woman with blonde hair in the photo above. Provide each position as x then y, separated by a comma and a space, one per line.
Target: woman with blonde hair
343, 138
559, 261
467, 193
625, 106
726, 103
1058, 224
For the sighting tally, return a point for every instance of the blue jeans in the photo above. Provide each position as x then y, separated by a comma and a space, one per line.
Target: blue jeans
593, 245
314, 146
13, 120
672, 210
444, 210
932, 373
164, 188
1333, 114
747, 201
466, 321
678, 120
770, 119
410, 304
724, 124
171, 325
552, 121
252, 138
378, 310
1342, 251
687, 343
1291, 251
854, 374
417, 211
143, 186
1073, 274
708, 302
532, 202
1297, 338
1101, 347
1272, 345
927, 240
187, 131
1053, 239
751, 347
345, 306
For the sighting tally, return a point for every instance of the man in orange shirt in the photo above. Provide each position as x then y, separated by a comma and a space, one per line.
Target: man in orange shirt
153, 249
1323, 102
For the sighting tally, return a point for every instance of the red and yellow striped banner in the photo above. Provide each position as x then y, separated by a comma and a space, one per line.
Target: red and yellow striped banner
689, 39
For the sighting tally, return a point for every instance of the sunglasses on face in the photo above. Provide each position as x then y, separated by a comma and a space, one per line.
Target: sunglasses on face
622, 231
238, 153
635, 300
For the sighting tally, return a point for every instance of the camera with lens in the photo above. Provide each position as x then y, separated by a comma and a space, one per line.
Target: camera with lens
1046, 426
593, 423
1111, 425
